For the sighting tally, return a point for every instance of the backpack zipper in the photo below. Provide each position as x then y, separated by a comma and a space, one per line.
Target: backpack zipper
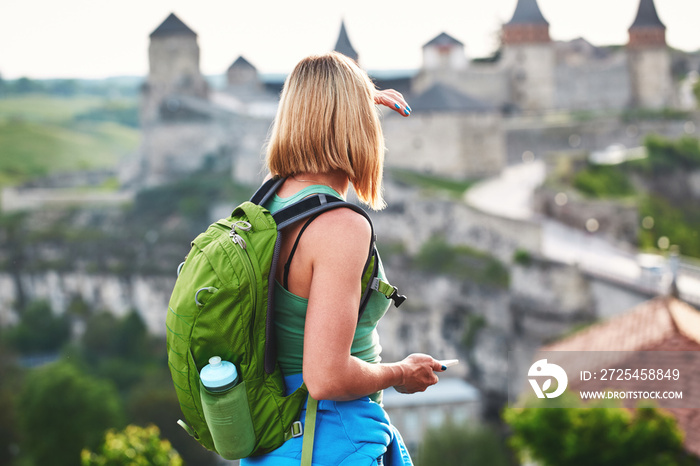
244, 256
235, 237
250, 270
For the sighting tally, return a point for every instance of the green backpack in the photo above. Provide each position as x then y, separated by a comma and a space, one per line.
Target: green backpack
221, 305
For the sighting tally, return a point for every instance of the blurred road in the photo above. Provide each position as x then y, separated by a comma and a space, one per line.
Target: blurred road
510, 195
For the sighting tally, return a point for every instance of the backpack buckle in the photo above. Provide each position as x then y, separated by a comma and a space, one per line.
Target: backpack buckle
398, 298
297, 429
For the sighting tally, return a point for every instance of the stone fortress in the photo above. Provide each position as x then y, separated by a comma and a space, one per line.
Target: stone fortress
467, 111
471, 119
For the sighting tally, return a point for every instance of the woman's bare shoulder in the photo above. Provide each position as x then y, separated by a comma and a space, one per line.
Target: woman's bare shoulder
341, 227
343, 218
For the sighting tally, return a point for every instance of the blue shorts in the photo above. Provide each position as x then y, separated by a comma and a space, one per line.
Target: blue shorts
348, 433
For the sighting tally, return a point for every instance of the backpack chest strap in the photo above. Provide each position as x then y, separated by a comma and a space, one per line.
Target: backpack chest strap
388, 290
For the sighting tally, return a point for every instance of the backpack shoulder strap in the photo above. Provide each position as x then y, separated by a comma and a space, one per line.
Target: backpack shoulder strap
266, 191
311, 205
319, 203
285, 277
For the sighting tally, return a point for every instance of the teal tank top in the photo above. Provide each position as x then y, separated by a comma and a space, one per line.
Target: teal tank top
290, 309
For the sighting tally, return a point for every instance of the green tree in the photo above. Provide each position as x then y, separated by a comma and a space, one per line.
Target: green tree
64, 411
78, 307
117, 349
132, 446
681, 225
107, 336
99, 339
600, 434
603, 181
437, 256
39, 330
65, 87
132, 338
666, 155
25, 85
462, 445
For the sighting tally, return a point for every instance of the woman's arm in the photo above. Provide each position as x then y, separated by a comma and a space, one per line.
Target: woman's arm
340, 240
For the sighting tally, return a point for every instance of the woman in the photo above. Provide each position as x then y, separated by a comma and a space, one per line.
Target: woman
327, 135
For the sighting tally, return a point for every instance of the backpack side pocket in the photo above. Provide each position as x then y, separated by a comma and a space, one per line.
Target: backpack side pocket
229, 420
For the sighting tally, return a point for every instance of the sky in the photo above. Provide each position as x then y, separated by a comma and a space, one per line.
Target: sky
100, 38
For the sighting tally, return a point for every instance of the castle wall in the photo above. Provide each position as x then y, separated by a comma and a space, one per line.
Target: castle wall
457, 145
487, 82
231, 142
531, 77
179, 148
593, 85
540, 137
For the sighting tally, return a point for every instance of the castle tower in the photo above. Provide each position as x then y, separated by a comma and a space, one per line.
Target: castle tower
444, 62
173, 56
242, 73
444, 53
529, 55
343, 44
649, 59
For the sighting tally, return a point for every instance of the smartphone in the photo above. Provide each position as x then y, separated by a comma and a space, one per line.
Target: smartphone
449, 362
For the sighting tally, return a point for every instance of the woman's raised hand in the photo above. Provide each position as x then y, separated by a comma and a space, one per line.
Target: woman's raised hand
418, 373
394, 100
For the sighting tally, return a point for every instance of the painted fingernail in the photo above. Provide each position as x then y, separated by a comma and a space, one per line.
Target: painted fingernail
444, 368
405, 112
397, 106
408, 108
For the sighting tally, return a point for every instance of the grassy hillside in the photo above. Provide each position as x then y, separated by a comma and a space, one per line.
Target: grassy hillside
46, 108
40, 135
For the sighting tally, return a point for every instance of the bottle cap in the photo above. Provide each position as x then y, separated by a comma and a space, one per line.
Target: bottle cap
218, 373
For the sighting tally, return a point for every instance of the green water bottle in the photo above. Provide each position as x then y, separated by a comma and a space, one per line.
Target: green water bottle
225, 406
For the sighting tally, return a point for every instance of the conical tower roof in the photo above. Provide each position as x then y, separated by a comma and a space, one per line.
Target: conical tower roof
343, 44
527, 12
443, 39
242, 63
172, 26
647, 16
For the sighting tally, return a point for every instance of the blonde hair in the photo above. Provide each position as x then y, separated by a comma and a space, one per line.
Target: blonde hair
326, 121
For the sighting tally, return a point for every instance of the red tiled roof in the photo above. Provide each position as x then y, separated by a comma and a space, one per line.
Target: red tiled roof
661, 324
642, 328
